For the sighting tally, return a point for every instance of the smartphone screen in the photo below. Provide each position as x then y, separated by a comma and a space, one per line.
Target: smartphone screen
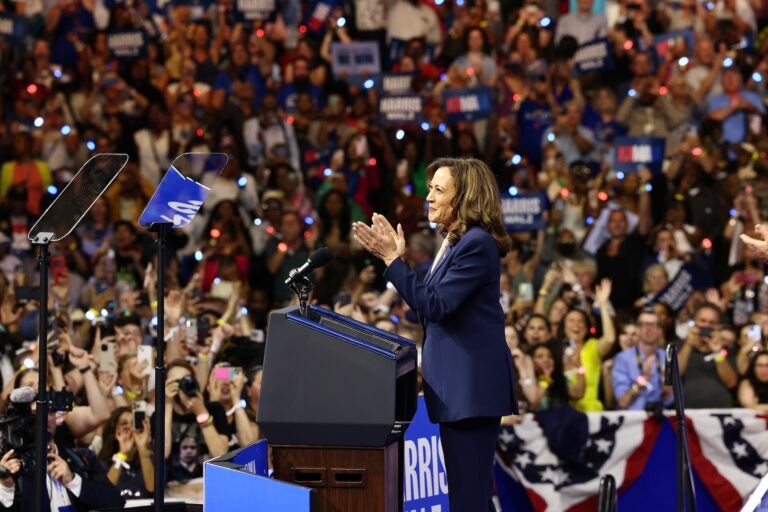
203, 328
224, 373
26, 294
58, 268
139, 410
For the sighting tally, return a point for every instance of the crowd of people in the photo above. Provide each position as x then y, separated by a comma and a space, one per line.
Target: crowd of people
587, 313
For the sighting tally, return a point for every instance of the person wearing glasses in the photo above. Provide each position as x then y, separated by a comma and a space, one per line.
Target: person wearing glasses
638, 371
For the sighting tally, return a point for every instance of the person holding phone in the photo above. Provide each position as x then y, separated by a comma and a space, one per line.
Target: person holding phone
708, 370
469, 375
225, 385
126, 455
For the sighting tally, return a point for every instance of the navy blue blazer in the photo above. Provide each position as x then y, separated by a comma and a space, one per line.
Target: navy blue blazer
467, 367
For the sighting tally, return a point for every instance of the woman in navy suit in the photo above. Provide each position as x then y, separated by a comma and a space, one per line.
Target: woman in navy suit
468, 372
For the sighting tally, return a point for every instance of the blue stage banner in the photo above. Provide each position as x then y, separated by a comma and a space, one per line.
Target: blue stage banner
672, 41
680, 288
395, 84
176, 200
426, 486
401, 109
468, 104
632, 153
355, 59
523, 212
12, 27
128, 45
250, 10
594, 57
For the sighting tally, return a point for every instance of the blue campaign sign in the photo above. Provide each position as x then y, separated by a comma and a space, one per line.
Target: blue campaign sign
468, 104
253, 458
680, 288
355, 59
425, 485
632, 153
249, 10
672, 41
178, 197
394, 84
523, 212
12, 27
405, 109
594, 57
127, 45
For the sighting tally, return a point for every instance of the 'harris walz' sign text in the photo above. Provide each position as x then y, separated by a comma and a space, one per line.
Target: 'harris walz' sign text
468, 104
404, 109
127, 45
523, 212
593, 57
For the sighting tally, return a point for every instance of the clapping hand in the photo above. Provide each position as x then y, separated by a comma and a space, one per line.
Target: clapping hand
380, 238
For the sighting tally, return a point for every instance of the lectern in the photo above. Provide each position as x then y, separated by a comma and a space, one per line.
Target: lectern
336, 398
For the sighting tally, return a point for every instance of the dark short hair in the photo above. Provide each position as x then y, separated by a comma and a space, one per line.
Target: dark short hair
711, 306
122, 321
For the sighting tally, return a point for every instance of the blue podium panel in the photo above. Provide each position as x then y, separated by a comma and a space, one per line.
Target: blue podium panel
237, 481
180, 193
228, 489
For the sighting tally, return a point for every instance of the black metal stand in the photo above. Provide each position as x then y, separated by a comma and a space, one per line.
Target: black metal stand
607, 495
303, 287
41, 430
159, 427
686, 498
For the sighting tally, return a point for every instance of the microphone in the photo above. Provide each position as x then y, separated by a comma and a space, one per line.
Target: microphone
22, 395
317, 259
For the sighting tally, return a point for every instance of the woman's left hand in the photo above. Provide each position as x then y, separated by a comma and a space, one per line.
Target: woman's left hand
380, 239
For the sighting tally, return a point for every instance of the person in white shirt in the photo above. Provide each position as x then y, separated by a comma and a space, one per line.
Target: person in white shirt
408, 19
583, 24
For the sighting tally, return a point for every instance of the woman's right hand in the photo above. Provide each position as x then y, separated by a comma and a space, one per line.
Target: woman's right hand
171, 390
125, 440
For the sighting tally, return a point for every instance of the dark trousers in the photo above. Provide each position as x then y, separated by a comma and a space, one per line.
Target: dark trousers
469, 446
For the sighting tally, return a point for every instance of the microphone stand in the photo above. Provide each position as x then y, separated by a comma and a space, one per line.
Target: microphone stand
303, 287
686, 497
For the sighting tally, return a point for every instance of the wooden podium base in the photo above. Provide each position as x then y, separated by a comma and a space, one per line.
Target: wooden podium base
347, 479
